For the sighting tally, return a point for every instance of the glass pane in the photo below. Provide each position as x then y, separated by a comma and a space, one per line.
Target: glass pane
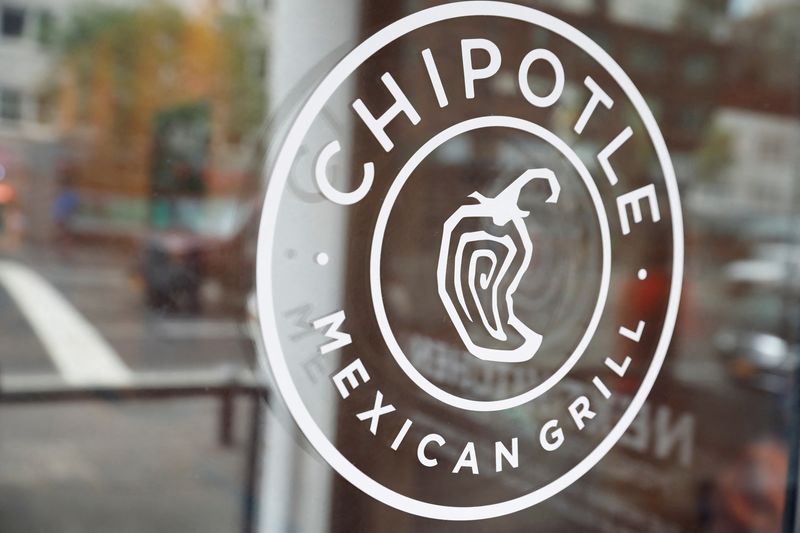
410, 266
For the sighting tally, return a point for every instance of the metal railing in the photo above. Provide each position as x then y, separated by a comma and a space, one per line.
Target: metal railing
225, 384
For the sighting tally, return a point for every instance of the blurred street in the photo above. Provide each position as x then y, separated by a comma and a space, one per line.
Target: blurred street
60, 461
102, 288
123, 267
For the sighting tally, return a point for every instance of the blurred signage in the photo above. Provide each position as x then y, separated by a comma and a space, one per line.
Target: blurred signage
446, 238
181, 143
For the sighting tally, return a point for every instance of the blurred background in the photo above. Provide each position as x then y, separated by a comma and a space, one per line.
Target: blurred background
133, 140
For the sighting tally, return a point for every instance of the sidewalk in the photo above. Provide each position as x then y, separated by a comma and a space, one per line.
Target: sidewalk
151, 466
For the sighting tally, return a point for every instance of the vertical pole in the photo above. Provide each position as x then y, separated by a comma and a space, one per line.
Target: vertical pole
252, 473
226, 415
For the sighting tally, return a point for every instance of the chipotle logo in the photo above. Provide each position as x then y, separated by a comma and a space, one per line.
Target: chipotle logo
491, 194
496, 307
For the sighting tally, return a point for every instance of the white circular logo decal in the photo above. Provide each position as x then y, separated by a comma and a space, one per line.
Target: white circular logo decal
492, 254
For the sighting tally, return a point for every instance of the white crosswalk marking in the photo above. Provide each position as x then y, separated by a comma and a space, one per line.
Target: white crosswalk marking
81, 354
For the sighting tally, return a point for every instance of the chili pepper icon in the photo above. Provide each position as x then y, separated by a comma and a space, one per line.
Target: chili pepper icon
509, 221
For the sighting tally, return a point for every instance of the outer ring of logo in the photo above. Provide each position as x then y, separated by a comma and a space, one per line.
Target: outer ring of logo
279, 176
377, 245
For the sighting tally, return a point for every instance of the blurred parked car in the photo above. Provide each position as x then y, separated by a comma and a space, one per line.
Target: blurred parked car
761, 360
202, 259
752, 340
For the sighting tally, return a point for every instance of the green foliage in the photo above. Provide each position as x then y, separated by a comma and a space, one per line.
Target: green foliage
154, 32
244, 58
91, 23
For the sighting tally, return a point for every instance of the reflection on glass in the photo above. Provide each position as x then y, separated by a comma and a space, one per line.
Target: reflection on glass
132, 148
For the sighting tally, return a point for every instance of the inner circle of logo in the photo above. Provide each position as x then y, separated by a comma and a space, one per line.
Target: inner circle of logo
525, 349
518, 249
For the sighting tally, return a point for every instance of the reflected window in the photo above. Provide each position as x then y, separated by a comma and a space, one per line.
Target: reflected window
12, 23
540, 38
602, 39
656, 105
655, 14
45, 111
576, 6
772, 147
646, 58
692, 118
10, 105
699, 69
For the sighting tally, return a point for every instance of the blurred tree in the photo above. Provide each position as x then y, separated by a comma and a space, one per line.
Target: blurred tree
122, 66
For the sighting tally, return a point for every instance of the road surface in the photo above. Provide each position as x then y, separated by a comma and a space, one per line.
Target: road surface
110, 466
